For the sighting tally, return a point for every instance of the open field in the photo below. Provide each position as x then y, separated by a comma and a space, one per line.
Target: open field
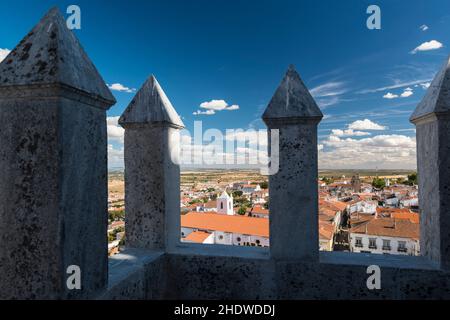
365, 174
221, 177
116, 184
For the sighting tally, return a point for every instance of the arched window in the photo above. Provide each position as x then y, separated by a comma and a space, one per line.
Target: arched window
221, 205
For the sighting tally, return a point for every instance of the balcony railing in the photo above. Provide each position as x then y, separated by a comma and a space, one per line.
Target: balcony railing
387, 248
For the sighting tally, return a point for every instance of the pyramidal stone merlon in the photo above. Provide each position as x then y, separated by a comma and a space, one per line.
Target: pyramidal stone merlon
292, 100
53, 167
51, 54
437, 98
151, 106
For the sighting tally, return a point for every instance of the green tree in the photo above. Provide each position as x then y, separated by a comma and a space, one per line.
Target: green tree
242, 210
111, 237
237, 194
378, 183
412, 179
327, 180
194, 201
264, 185
116, 215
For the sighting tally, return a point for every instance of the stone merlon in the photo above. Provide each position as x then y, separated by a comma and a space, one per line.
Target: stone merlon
51, 55
292, 100
437, 98
151, 106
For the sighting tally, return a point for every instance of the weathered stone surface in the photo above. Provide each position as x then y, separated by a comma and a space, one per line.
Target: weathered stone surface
432, 120
222, 278
53, 164
152, 174
293, 189
51, 54
437, 98
151, 106
135, 274
292, 100
335, 276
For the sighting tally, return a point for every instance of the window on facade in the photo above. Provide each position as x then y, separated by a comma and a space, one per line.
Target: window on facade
401, 246
220, 237
372, 243
358, 242
238, 239
386, 244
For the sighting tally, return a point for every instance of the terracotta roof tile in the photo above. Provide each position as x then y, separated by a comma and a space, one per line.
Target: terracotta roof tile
388, 227
197, 236
226, 223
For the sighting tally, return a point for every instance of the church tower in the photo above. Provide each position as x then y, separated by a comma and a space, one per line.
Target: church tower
225, 204
356, 183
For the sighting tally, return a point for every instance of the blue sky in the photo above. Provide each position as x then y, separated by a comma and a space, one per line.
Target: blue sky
238, 51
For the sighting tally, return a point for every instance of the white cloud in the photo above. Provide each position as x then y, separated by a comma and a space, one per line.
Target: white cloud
424, 27
328, 101
365, 124
214, 155
425, 85
382, 151
426, 46
329, 89
206, 113
407, 93
4, 53
115, 157
115, 132
121, 88
349, 133
214, 106
390, 95
233, 107
253, 137
394, 86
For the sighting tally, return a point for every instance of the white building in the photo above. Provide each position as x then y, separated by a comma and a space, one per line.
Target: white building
225, 204
363, 206
250, 188
225, 229
409, 202
385, 236
391, 202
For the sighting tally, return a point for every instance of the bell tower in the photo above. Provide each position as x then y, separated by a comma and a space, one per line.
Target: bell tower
225, 204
